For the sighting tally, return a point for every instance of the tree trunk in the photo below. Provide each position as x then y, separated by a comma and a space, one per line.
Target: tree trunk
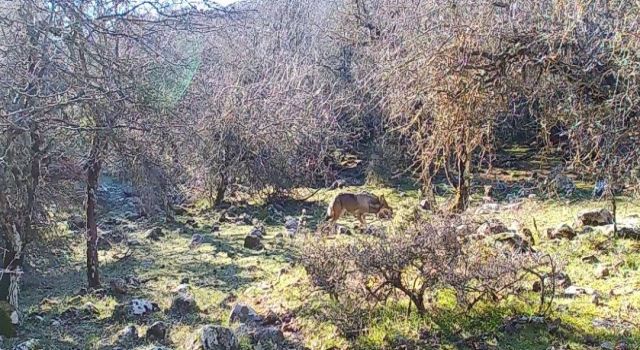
93, 175
220, 190
462, 188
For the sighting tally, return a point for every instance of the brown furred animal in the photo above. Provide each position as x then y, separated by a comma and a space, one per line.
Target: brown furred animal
358, 205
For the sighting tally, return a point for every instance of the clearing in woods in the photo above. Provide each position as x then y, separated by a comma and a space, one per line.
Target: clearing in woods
206, 255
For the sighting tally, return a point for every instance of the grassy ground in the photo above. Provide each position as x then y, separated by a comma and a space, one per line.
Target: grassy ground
222, 272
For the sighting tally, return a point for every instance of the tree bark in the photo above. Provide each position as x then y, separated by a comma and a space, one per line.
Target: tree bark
462, 189
93, 175
220, 190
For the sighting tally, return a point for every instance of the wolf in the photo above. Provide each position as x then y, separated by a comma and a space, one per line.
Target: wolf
358, 204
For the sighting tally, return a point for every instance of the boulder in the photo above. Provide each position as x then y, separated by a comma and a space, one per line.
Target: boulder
573, 291
183, 304
155, 233
196, 240
212, 337
243, 313
85, 312
492, 227
262, 337
129, 335
561, 232
258, 231
31, 344
158, 331
597, 217
488, 208
253, 243
135, 308
513, 239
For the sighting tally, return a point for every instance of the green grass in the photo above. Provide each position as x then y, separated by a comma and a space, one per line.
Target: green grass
270, 280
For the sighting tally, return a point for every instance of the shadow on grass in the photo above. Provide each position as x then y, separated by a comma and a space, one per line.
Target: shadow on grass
391, 327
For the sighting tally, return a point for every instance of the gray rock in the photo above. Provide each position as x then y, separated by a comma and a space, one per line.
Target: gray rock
129, 335
258, 231
488, 208
183, 304
597, 217
135, 308
607, 346
31, 344
574, 291
155, 233
561, 232
159, 331
212, 337
196, 240
244, 314
253, 243
492, 227
263, 337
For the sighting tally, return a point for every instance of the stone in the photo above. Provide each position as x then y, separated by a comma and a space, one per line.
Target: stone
87, 311
158, 331
244, 314
264, 337
212, 337
574, 291
607, 345
183, 304
155, 233
602, 272
118, 286
561, 232
488, 208
492, 227
129, 335
181, 288
595, 217
31, 344
135, 308
513, 239
630, 232
258, 231
253, 243
196, 240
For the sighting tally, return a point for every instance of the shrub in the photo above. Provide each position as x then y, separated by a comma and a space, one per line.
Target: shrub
426, 256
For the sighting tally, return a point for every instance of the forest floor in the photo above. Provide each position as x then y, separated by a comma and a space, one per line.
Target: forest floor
220, 272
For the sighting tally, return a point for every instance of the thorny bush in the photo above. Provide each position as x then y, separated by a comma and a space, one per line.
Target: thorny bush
427, 256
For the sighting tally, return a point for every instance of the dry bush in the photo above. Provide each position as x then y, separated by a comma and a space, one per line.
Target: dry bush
428, 256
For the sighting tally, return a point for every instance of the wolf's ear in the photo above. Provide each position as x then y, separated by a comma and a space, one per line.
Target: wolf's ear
382, 199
